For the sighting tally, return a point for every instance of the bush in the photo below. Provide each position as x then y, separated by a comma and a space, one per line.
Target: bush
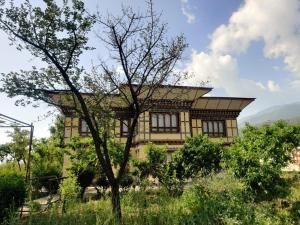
199, 155
218, 199
259, 156
69, 191
12, 192
45, 177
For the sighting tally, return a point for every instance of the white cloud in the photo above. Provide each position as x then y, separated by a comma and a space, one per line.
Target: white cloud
222, 72
295, 84
186, 11
275, 22
273, 87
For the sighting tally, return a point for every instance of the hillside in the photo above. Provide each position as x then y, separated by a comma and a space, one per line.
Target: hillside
288, 112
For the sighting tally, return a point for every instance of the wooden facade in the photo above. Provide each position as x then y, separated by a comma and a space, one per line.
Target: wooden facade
171, 120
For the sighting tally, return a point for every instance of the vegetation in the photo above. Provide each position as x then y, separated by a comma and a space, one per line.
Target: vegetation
16, 150
217, 199
201, 185
199, 156
258, 157
57, 34
214, 193
12, 192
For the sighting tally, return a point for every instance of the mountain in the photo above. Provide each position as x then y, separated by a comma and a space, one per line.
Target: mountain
288, 112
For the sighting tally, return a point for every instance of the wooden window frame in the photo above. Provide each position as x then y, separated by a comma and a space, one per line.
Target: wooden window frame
83, 133
164, 129
214, 133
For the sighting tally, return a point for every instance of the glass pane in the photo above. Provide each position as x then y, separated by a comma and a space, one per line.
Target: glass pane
154, 120
205, 127
210, 127
216, 127
160, 120
125, 126
221, 130
167, 120
174, 120
84, 127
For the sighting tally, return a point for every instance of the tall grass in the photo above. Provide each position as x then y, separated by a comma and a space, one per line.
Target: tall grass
218, 199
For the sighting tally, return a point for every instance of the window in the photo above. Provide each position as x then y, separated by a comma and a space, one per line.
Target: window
164, 122
124, 127
214, 128
84, 129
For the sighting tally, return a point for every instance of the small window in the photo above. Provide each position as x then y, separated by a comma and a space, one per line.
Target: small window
164, 122
125, 127
84, 128
214, 128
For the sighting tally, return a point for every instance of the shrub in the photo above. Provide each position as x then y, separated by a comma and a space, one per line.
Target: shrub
154, 164
157, 166
199, 155
12, 192
45, 175
69, 191
259, 156
218, 199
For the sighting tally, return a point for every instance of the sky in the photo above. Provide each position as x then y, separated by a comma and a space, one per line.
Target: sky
247, 48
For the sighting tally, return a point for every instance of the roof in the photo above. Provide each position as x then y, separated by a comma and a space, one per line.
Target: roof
222, 103
185, 93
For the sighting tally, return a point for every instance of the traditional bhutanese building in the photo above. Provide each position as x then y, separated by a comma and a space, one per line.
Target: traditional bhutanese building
184, 113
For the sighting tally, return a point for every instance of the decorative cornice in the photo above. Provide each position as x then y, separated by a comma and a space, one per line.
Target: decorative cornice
214, 114
170, 104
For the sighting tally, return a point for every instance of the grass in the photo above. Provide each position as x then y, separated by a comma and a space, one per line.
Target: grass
216, 200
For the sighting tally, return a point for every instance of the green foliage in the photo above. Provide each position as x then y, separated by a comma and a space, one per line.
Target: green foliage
154, 164
214, 199
5, 151
12, 192
47, 160
218, 199
17, 149
57, 131
56, 34
69, 191
46, 176
199, 155
85, 165
259, 156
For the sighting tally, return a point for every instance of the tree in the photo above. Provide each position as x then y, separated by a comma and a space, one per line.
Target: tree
5, 151
259, 156
17, 148
58, 35
57, 131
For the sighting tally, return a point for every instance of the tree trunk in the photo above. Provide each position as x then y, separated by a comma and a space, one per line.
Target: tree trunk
116, 204
19, 165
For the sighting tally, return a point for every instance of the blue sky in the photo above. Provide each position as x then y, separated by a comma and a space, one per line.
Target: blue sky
245, 48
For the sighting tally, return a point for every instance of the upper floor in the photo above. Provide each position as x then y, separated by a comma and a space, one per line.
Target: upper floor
172, 119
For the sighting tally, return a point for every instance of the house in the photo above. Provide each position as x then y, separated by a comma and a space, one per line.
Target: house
184, 112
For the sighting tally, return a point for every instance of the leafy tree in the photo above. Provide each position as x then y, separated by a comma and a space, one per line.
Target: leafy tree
259, 156
199, 155
47, 160
154, 164
57, 131
58, 35
5, 151
157, 166
17, 149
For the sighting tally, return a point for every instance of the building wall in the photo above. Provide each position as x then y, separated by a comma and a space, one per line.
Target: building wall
188, 127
